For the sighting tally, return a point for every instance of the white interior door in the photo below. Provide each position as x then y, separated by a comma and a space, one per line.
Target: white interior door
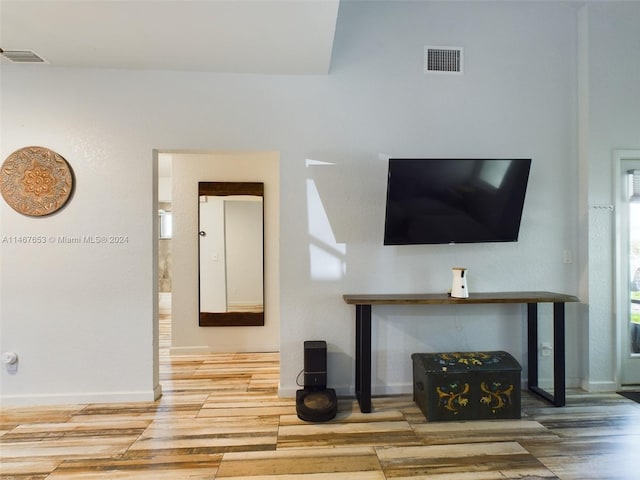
628, 265
213, 291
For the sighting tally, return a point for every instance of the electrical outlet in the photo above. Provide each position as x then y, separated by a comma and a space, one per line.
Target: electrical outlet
10, 361
9, 358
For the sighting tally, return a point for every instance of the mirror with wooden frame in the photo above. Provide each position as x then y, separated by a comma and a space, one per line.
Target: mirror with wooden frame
231, 253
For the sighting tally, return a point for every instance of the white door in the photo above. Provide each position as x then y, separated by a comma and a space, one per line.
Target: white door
213, 286
628, 231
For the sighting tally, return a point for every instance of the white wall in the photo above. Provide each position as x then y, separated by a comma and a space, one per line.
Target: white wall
612, 121
81, 317
243, 227
517, 97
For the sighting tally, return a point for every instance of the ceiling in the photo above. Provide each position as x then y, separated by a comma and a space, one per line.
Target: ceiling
225, 36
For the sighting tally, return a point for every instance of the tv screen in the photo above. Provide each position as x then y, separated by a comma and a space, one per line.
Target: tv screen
433, 201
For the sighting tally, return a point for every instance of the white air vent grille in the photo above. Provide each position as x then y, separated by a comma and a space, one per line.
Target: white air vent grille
22, 56
443, 60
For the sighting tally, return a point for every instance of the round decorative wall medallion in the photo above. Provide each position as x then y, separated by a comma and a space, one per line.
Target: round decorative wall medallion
36, 181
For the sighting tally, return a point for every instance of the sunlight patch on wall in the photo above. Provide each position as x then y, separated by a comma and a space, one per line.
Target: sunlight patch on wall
326, 256
308, 162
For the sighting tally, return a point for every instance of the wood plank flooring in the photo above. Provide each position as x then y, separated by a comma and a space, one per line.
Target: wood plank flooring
220, 418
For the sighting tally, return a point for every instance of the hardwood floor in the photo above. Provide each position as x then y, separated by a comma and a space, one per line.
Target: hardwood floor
220, 417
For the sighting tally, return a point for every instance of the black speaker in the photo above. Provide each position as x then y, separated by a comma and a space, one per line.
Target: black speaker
315, 364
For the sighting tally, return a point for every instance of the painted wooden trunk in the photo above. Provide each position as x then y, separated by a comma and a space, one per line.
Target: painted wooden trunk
466, 385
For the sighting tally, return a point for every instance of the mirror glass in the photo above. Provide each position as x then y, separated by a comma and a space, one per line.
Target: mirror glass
165, 224
231, 253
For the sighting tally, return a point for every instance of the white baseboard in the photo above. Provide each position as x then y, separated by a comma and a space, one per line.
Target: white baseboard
392, 389
182, 351
407, 388
289, 392
204, 349
348, 391
79, 398
603, 386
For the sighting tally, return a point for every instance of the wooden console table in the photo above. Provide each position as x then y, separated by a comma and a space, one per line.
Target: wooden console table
363, 305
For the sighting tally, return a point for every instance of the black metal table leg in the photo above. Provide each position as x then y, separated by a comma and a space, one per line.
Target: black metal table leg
558, 398
363, 357
532, 344
559, 376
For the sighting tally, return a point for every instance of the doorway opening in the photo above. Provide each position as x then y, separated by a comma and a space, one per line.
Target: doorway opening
164, 256
178, 174
627, 193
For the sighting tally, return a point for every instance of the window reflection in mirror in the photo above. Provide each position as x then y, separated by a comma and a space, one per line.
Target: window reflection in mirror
165, 224
231, 253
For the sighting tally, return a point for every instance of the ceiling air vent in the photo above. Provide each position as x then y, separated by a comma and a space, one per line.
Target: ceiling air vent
443, 60
22, 56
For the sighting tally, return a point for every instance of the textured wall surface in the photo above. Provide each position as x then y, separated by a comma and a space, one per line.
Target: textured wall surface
82, 317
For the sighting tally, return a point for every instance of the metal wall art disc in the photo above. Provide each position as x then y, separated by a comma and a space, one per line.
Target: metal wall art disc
36, 181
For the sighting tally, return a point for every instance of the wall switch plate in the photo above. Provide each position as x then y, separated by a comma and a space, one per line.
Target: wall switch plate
9, 358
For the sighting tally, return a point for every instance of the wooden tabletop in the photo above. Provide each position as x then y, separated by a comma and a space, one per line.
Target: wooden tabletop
444, 298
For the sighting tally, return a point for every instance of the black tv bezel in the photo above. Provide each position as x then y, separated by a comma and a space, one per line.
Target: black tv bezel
521, 199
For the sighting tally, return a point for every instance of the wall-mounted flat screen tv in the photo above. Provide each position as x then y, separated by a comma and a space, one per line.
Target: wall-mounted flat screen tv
435, 201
